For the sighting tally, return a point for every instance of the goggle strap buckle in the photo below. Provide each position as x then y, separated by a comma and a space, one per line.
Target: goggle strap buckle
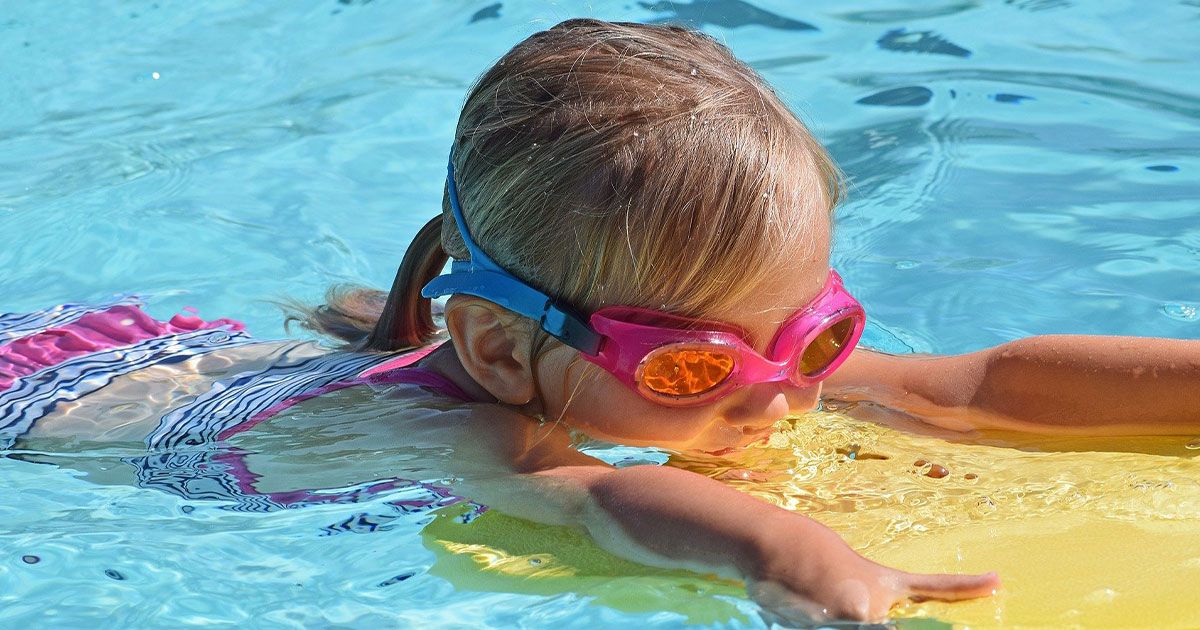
570, 329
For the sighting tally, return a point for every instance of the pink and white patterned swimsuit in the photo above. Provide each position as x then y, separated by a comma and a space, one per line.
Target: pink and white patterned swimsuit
63, 353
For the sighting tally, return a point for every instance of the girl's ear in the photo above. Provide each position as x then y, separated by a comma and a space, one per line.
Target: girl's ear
493, 346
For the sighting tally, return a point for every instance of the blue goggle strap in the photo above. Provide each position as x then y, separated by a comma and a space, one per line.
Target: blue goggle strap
483, 278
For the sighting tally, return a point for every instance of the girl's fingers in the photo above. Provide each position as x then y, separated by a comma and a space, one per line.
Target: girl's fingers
950, 587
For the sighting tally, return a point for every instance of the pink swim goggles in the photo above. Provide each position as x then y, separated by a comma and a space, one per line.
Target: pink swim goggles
679, 361
666, 358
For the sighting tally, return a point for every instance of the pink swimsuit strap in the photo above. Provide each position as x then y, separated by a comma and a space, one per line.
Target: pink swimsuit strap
401, 370
424, 377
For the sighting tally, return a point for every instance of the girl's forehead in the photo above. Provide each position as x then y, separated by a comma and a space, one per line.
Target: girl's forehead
774, 299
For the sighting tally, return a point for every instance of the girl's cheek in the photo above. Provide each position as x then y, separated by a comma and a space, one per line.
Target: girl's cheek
628, 416
593, 401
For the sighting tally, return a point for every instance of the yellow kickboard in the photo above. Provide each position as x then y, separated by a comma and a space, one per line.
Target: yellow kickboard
1087, 532
1065, 571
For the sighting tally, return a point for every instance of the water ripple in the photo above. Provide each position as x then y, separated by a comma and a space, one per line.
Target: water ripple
1125, 90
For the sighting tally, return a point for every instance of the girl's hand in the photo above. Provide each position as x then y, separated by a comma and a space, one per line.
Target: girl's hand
838, 584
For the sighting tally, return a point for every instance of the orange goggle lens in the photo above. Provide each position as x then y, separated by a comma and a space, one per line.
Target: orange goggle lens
686, 372
826, 347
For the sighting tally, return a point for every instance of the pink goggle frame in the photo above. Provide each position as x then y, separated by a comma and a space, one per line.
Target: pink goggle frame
680, 361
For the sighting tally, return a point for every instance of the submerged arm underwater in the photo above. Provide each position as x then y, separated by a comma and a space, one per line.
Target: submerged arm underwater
656, 515
662, 516
1064, 384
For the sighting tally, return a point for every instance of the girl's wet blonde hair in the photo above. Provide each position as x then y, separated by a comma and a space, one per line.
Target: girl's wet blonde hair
612, 163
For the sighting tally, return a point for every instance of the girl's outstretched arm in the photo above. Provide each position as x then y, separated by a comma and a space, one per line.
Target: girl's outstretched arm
655, 515
1056, 383
663, 516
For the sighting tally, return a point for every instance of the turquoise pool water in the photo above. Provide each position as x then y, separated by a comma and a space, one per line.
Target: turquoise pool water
1016, 168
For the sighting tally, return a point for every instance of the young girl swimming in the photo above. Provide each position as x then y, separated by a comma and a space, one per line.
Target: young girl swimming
640, 231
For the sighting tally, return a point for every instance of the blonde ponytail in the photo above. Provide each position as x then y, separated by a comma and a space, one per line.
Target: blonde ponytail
371, 320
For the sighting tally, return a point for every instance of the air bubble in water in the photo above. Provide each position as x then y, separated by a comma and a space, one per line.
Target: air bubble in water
1182, 312
394, 580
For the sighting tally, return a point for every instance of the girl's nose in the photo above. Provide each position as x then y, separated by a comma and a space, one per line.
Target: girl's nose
759, 406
